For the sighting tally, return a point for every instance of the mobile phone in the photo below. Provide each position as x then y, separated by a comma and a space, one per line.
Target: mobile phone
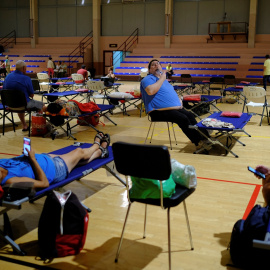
256, 172
26, 145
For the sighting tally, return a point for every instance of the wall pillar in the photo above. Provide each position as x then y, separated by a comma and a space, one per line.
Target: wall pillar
34, 22
252, 23
98, 64
168, 22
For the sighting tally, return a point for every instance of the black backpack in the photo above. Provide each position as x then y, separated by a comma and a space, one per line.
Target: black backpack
62, 226
242, 252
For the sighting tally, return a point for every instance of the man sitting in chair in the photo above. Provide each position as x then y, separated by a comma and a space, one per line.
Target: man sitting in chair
163, 104
18, 80
45, 169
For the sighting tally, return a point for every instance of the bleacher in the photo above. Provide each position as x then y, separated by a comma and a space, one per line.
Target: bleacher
200, 61
36, 58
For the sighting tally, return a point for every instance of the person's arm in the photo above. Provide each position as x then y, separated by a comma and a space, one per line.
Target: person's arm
265, 182
154, 88
40, 180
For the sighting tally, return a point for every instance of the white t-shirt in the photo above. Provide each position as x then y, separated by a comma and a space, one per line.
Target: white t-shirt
50, 64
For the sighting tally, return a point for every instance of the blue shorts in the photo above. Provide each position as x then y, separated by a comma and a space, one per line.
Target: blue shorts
61, 169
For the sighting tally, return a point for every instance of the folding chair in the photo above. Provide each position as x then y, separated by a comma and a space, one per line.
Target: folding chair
44, 80
78, 80
154, 164
253, 92
186, 79
229, 80
36, 87
151, 122
99, 88
216, 83
17, 105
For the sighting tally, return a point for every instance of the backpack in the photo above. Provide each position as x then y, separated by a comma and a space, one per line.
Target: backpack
242, 252
62, 226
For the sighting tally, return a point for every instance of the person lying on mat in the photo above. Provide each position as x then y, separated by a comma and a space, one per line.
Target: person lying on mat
45, 169
163, 104
265, 182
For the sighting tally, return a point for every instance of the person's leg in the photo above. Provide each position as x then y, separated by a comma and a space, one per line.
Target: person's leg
264, 82
268, 79
22, 118
83, 155
183, 119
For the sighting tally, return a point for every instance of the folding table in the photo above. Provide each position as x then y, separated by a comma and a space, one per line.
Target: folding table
238, 123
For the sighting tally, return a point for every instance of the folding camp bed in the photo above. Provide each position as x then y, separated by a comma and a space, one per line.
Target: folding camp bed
123, 103
84, 93
66, 127
66, 85
203, 86
221, 132
206, 101
236, 91
180, 89
76, 174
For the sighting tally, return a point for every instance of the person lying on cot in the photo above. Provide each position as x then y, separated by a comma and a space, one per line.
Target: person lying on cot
265, 182
45, 169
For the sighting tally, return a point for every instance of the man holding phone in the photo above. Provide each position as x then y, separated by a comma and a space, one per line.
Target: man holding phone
265, 182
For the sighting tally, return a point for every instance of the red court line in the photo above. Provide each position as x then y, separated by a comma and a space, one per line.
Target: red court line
253, 198
9, 154
233, 182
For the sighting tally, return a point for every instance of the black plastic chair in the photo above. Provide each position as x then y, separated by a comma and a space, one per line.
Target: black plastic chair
154, 163
229, 80
216, 83
36, 86
14, 101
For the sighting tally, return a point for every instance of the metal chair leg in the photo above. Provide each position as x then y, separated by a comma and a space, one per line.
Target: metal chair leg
169, 238
169, 135
188, 226
174, 134
148, 133
145, 217
122, 235
152, 132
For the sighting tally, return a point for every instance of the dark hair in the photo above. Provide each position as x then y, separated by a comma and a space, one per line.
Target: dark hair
50, 58
267, 56
83, 66
54, 108
149, 65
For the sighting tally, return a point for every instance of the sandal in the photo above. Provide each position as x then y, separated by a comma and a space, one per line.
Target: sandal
99, 135
106, 138
104, 152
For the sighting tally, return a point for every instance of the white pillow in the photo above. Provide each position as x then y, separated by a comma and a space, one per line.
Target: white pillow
120, 95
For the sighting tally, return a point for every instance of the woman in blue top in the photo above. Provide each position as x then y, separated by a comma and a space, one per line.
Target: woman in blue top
163, 104
45, 169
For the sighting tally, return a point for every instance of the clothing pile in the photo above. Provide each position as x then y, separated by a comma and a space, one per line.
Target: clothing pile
213, 122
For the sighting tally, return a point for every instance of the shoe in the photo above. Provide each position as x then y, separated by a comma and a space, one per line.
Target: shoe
99, 135
104, 150
26, 129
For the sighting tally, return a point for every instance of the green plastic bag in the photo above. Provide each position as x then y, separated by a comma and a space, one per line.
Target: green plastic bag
144, 188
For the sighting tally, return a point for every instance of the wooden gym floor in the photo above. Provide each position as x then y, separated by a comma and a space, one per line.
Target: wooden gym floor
225, 193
